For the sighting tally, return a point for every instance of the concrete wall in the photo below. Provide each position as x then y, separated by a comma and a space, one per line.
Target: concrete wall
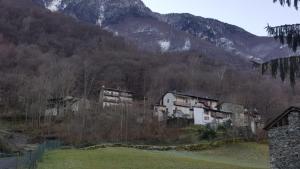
168, 101
199, 117
284, 144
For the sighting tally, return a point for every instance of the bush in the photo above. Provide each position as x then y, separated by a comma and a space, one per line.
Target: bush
207, 133
4, 147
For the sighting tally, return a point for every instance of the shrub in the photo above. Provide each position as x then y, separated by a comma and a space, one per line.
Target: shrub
207, 133
4, 147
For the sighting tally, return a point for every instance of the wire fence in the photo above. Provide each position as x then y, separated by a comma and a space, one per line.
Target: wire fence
5, 155
30, 158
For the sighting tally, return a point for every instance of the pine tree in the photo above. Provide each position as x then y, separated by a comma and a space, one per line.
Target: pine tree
290, 35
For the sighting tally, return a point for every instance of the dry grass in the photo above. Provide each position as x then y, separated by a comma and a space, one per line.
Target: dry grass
239, 156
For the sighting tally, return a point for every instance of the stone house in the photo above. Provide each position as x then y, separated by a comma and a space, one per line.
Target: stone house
195, 109
59, 107
242, 117
115, 97
238, 113
284, 139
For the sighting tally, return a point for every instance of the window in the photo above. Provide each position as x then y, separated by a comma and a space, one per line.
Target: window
206, 118
168, 101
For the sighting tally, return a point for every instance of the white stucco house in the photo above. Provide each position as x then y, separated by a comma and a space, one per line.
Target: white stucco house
199, 110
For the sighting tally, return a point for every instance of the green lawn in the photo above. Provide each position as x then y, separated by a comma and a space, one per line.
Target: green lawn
238, 156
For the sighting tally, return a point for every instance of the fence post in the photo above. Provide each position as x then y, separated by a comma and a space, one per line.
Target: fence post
17, 160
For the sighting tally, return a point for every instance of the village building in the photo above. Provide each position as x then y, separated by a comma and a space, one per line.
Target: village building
284, 139
115, 97
59, 107
238, 117
195, 109
243, 117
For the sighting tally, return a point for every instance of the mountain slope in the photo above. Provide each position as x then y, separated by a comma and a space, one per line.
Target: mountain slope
167, 33
229, 37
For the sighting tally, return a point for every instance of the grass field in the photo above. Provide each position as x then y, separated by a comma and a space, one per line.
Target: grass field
237, 156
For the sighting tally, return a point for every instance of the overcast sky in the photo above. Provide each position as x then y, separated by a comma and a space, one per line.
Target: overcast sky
252, 15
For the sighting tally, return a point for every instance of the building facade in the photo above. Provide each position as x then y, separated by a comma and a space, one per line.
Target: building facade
115, 97
284, 140
199, 110
238, 113
59, 107
243, 117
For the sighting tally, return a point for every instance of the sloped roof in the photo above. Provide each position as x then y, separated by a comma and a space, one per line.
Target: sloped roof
219, 111
272, 122
191, 95
117, 90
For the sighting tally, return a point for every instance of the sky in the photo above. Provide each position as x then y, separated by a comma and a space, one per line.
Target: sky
252, 15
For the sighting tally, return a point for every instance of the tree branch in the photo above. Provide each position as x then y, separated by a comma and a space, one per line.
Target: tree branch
286, 34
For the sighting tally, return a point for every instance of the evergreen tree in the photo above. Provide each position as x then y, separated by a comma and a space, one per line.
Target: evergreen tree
290, 35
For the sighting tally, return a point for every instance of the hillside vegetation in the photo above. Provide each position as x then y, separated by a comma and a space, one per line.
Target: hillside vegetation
48, 55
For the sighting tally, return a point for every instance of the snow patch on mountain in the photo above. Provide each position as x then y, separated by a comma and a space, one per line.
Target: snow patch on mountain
283, 46
226, 44
116, 33
101, 16
146, 29
164, 45
187, 45
54, 5
255, 59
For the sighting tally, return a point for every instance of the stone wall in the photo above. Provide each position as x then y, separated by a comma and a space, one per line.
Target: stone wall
285, 144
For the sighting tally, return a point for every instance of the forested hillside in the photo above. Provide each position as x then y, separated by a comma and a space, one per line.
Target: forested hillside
174, 32
45, 55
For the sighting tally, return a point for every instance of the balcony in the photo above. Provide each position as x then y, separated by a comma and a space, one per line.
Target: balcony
111, 100
126, 95
111, 94
182, 104
219, 115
